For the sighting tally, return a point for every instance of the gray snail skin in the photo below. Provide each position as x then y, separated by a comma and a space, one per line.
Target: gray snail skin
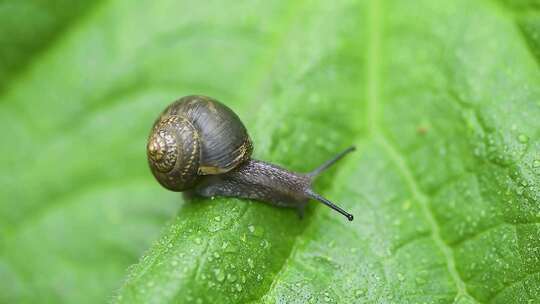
198, 144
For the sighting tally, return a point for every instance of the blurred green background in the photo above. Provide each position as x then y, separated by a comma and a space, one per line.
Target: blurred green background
442, 99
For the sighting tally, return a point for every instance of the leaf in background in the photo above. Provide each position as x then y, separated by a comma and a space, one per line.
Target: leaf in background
441, 98
29, 27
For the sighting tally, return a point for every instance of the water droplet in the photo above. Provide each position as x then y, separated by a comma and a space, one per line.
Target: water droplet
238, 287
442, 151
523, 138
220, 276
231, 277
477, 151
259, 277
170, 245
198, 240
216, 255
250, 263
359, 292
265, 244
251, 228
217, 219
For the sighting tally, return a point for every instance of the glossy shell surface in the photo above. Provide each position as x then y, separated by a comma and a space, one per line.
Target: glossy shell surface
195, 136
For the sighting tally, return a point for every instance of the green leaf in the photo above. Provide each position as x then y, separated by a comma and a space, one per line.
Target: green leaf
29, 27
442, 99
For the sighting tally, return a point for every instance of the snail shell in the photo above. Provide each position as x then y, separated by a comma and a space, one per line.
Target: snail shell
193, 137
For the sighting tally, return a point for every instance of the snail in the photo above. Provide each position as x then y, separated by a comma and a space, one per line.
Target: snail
198, 144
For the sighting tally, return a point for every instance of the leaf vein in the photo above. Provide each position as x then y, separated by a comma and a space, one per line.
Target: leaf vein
373, 93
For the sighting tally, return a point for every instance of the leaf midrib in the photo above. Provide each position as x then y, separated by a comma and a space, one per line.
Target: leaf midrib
380, 137
376, 133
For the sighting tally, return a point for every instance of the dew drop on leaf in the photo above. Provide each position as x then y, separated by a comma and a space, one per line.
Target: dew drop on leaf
523, 138
265, 244
359, 292
220, 276
238, 287
251, 228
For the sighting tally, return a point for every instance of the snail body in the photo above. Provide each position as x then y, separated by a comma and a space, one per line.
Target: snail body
201, 145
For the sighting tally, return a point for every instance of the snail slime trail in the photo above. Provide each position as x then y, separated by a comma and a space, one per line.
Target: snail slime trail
201, 145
